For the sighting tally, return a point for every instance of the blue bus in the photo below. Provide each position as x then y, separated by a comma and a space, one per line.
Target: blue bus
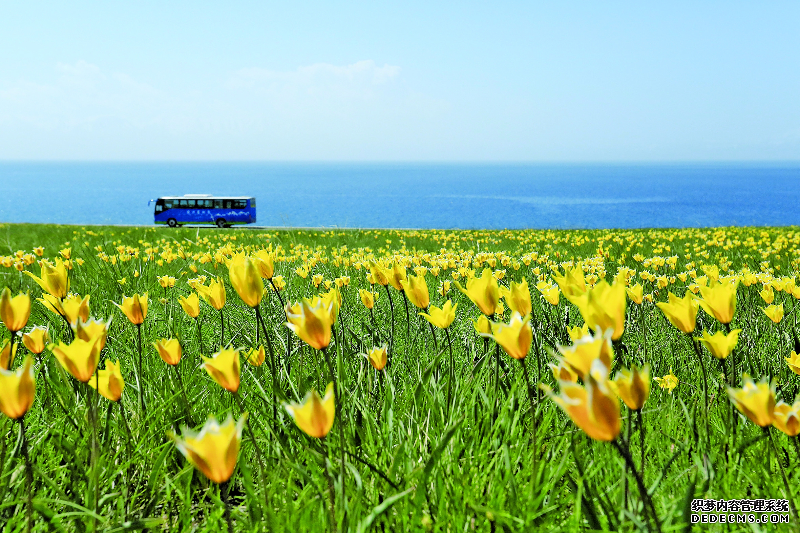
223, 211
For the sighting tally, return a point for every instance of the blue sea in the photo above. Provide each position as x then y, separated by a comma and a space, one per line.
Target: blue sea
415, 195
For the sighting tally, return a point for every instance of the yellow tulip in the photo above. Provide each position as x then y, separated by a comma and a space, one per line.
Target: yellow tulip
482, 325
768, 295
378, 357
562, 372
593, 407
54, 278
632, 386
774, 312
169, 350
214, 449
585, 351
36, 339
214, 293
17, 390
577, 332
166, 282
91, 330
787, 418
190, 304
14, 311
549, 292
224, 368
378, 273
518, 297
669, 382
515, 337
265, 259
314, 415
572, 283
719, 344
441, 318
719, 300
396, 276
483, 291
6, 354
135, 307
603, 307
278, 283
311, 322
416, 290
79, 358
367, 298
109, 380
635, 293
681, 312
794, 362
256, 357
76, 308
755, 400
246, 279
332, 299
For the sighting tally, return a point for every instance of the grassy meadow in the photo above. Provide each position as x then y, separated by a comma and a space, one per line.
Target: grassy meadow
448, 436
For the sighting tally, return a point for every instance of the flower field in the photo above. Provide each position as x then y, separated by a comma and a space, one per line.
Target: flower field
348, 380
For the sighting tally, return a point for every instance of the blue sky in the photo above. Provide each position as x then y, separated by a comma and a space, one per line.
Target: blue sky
402, 81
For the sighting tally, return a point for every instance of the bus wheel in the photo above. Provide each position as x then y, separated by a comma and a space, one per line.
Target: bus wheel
220, 222
172, 223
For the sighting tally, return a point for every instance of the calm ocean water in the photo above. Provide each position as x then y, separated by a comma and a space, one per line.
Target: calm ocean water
387, 195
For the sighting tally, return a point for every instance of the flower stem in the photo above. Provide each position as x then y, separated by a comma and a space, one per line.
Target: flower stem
28, 476
273, 369
391, 311
452, 371
786, 486
189, 420
222, 329
533, 413
648, 503
199, 335
139, 378
339, 404
224, 489
705, 389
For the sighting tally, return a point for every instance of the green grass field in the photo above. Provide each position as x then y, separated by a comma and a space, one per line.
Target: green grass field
412, 462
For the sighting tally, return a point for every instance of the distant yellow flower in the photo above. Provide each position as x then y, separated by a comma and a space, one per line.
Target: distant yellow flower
312, 323
377, 357
581, 355
592, 407
256, 357
484, 292
79, 358
166, 282
36, 339
774, 312
110, 381
603, 306
367, 298
6, 353
224, 368
518, 297
169, 350
278, 282
39, 250
316, 279
572, 283
681, 312
17, 390
54, 278
190, 304
215, 449
669, 382
135, 307
549, 292
214, 293
314, 415
719, 300
755, 400
719, 344
74, 308
245, 277
302, 272
14, 311
787, 418
66, 253
793, 361
122, 281
632, 386
416, 290
441, 318
515, 337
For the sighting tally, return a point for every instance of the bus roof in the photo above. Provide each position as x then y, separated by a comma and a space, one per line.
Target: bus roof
204, 196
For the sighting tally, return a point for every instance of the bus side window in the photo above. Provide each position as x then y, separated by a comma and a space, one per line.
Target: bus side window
227, 204
239, 204
184, 203
190, 203
159, 208
167, 204
217, 204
